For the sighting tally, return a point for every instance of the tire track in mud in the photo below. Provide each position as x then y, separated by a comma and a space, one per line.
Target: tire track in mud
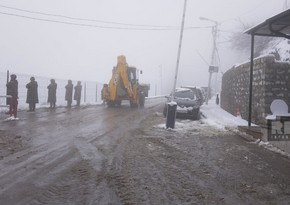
119, 184
42, 164
184, 167
78, 186
199, 164
166, 173
37, 177
107, 144
67, 166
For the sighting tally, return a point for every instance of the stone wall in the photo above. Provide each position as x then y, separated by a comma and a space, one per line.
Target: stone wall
271, 80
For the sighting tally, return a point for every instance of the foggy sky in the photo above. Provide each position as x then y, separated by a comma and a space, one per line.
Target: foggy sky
60, 50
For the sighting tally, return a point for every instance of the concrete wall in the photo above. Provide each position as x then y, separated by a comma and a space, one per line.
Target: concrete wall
271, 80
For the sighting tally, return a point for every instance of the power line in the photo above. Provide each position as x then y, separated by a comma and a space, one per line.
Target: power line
83, 19
98, 26
202, 58
78, 24
253, 8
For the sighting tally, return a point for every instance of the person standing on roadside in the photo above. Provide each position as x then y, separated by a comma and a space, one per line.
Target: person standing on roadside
78, 93
32, 94
217, 100
104, 93
12, 90
52, 93
68, 93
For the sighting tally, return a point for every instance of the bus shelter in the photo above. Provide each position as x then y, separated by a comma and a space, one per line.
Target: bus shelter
276, 26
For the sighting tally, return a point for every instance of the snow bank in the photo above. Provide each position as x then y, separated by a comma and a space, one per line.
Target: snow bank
214, 116
219, 118
272, 148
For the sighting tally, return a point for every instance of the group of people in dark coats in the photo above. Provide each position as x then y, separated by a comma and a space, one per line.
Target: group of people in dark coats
32, 94
69, 93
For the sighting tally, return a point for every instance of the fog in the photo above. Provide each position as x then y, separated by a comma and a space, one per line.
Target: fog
60, 47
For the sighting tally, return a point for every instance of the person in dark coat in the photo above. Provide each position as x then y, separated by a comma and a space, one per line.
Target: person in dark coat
12, 90
32, 94
78, 93
217, 100
68, 93
52, 93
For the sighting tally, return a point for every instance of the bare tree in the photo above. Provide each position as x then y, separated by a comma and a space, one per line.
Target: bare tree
242, 42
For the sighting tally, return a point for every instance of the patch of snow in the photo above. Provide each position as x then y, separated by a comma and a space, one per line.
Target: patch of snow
261, 56
157, 96
161, 126
182, 89
216, 117
12, 118
272, 148
172, 103
219, 118
185, 99
184, 109
158, 114
280, 46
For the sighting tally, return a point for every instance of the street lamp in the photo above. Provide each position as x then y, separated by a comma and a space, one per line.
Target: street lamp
212, 67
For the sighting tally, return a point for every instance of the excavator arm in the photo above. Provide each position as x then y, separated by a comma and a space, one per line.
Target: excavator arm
120, 86
123, 85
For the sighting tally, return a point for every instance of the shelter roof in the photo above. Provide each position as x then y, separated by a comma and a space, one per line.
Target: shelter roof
276, 26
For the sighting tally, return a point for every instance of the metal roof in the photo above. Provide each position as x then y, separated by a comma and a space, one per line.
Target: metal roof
276, 26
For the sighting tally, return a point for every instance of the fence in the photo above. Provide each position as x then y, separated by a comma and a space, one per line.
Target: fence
91, 91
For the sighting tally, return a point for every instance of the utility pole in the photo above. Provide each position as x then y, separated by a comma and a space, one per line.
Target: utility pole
213, 68
213, 60
179, 47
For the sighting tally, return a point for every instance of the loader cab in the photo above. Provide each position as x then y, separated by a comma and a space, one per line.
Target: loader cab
132, 75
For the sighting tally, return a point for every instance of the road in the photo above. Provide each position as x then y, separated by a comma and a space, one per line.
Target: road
99, 155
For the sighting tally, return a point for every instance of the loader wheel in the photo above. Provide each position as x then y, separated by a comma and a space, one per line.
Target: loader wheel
111, 104
118, 103
133, 105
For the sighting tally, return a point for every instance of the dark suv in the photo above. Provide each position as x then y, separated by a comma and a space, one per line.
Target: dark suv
188, 104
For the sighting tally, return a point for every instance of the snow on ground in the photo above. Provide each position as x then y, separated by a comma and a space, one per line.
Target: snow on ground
219, 118
280, 48
271, 147
214, 116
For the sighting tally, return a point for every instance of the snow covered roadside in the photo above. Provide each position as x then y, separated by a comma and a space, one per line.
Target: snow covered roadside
273, 148
215, 117
219, 118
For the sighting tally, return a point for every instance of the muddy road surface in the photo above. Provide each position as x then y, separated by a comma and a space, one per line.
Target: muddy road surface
99, 155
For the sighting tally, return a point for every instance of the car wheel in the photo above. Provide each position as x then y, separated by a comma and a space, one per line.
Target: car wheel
133, 105
196, 115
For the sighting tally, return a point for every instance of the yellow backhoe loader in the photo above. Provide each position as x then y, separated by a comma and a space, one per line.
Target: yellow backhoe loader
124, 85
